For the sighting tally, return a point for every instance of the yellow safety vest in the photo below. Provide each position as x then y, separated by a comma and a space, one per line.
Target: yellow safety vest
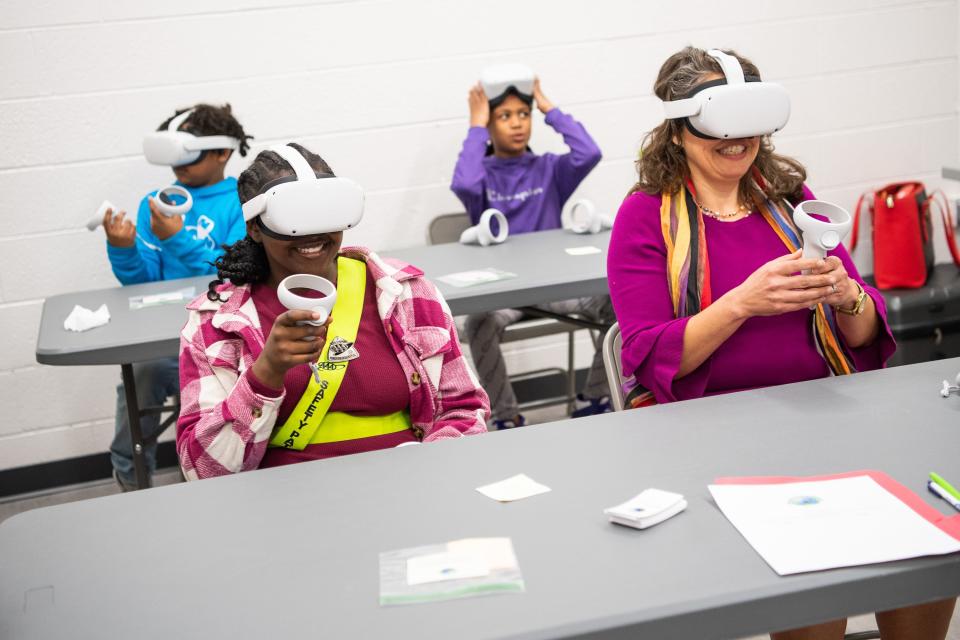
310, 422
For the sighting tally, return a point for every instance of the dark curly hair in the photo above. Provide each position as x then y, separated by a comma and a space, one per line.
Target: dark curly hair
245, 261
208, 120
662, 167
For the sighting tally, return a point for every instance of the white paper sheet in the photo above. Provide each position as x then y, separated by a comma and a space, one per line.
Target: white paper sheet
582, 251
446, 565
478, 276
516, 488
496, 552
809, 526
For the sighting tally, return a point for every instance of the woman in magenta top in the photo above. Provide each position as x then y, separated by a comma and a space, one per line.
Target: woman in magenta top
728, 308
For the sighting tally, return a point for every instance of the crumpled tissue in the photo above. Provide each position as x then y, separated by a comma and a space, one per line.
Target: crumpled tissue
81, 318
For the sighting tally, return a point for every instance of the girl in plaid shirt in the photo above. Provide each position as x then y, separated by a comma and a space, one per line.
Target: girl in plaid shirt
244, 360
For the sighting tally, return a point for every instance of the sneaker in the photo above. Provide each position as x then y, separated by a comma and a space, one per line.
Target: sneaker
510, 424
124, 484
596, 406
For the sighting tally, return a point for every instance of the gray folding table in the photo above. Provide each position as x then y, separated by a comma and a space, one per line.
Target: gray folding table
545, 273
292, 552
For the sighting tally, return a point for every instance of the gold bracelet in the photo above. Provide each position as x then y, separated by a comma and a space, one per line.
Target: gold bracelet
859, 305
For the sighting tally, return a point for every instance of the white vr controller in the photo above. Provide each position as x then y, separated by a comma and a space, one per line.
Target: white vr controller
582, 217
292, 301
97, 218
168, 206
482, 233
820, 236
161, 198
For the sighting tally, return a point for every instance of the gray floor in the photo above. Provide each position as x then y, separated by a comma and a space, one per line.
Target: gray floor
18, 504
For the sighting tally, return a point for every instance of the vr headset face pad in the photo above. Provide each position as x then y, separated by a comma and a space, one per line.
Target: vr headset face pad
746, 110
297, 208
510, 91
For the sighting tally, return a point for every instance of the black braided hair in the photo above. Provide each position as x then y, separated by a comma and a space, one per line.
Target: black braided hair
208, 120
245, 261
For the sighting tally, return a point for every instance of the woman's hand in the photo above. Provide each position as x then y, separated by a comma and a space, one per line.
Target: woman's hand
120, 231
846, 292
163, 226
479, 106
543, 102
288, 345
776, 288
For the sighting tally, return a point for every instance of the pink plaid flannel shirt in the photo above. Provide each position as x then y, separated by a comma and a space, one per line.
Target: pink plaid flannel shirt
224, 425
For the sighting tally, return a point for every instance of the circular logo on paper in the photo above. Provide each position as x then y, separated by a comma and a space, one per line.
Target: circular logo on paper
802, 501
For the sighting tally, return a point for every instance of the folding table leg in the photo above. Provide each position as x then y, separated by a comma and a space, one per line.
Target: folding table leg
133, 419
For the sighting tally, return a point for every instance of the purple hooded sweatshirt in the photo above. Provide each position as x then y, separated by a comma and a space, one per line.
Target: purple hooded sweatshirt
530, 190
764, 351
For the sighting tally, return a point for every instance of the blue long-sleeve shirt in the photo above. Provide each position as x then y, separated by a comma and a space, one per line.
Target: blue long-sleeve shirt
531, 189
214, 220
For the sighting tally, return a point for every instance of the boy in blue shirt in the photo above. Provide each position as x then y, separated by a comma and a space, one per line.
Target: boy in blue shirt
161, 247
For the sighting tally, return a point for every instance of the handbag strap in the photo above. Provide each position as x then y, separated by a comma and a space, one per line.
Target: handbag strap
943, 203
864, 197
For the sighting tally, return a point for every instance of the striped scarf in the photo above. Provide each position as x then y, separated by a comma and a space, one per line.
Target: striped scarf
688, 277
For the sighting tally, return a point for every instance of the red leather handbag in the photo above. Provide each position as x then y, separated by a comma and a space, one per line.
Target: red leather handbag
903, 233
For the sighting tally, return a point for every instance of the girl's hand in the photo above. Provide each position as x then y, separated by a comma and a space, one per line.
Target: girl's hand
479, 106
543, 103
120, 231
289, 345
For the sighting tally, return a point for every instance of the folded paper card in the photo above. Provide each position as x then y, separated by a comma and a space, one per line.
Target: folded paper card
650, 507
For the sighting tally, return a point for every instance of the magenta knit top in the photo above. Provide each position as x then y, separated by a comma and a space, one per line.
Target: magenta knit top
764, 351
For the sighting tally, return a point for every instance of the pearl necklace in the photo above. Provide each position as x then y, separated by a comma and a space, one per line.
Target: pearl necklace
723, 216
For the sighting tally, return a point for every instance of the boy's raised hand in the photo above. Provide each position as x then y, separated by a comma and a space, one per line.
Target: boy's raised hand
479, 106
120, 231
543, 102
163, 226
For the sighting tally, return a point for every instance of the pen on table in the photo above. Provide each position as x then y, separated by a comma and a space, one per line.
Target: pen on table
946, 486
942, 493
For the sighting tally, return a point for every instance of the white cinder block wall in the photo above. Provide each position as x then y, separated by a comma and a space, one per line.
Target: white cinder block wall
379, 88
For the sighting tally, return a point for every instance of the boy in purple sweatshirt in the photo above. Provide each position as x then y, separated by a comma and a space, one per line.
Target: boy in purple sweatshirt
497, 169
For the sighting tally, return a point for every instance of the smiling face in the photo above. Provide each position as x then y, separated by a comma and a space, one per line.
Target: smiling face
718, 162
510, 127
315, 254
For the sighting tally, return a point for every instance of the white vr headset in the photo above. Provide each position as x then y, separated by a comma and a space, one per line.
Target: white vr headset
582, 217
732, 107
174, 148
305, 204
482, 232
497, 81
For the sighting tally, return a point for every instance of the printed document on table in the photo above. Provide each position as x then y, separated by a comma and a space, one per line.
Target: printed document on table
809, 526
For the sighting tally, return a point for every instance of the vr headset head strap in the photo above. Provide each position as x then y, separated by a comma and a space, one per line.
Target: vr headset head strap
732, 70
179, 120
296, 161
